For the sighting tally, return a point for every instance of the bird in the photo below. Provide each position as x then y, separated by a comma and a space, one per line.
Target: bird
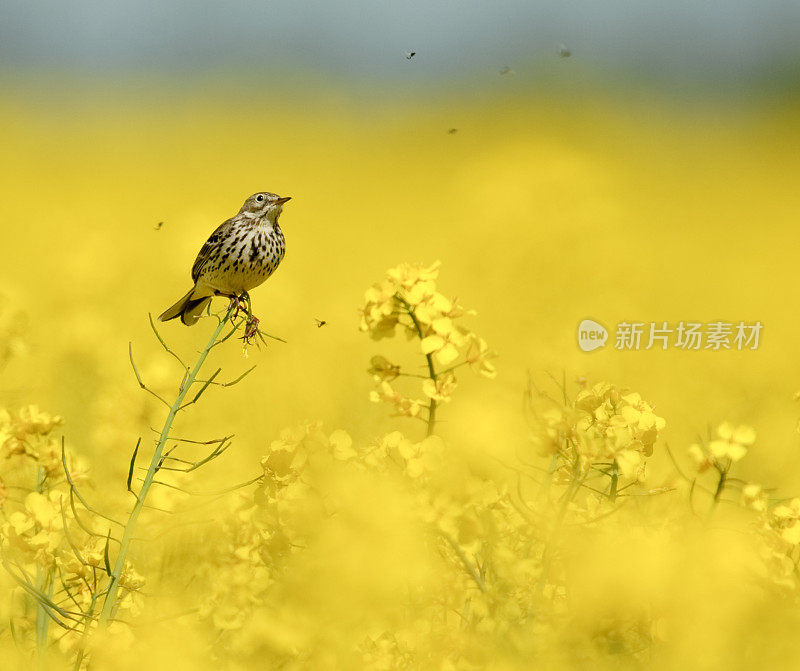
238, 256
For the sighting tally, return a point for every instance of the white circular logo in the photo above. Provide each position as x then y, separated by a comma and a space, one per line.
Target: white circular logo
591, 335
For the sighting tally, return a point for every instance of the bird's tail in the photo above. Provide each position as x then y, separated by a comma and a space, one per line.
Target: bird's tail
187, 308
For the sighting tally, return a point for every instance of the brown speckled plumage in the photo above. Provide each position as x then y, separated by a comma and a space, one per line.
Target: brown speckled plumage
241, 254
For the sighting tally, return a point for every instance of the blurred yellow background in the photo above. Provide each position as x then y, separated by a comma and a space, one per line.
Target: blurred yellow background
544, 210
543, 213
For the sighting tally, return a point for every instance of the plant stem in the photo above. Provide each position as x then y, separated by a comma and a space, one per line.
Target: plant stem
130, 526
612, 492
549, 548
429, 358
44, 583
723, 476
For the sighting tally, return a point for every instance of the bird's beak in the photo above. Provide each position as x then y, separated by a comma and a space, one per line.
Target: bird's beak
281, 201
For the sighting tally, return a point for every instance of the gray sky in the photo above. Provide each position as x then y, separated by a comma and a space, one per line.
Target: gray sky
724, 41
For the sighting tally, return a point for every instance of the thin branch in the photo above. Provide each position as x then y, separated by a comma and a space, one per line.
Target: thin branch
72, 545
73, 488
196, 442
202, 389
111, 601
163, 344
465, 561
232, 382
139, 377
215, 493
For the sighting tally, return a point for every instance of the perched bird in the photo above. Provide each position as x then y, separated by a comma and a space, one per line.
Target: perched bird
239, 255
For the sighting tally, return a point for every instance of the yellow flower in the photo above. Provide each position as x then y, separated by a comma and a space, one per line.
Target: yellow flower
402, 405
701, 460
42, 509
445, 341
33, 420
441, 389
422, 457
477, 355
379, 314
732, 443
785, 518
429, 304
287, 455
407, 275
421, 292
754, 497
342, 445
630, 463
130, 578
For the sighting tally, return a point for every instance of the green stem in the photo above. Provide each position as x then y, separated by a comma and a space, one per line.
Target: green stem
612, 492
44, 583
550, 547
85, 635
429, 359
141, 497
723, 476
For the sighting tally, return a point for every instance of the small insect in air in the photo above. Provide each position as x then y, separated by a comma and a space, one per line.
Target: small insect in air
563, 51
319, 322
159, 225
505, 70
452, 131
410, 55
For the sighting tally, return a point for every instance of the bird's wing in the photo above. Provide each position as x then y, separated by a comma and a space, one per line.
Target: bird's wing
212, 243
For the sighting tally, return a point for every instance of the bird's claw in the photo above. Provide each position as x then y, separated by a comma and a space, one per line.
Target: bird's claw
241, 305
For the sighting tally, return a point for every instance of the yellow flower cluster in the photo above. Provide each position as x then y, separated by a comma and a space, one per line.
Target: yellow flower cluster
26, 435
779, 528
778, 522
407, 298
604, 424
265, 529
489, 554
44, 541
729, 446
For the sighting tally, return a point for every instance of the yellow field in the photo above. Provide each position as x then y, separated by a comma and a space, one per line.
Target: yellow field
542, 213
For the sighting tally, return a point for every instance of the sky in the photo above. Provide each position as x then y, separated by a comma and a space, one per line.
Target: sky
727, 43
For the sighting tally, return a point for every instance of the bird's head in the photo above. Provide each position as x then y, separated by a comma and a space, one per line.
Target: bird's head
264, 204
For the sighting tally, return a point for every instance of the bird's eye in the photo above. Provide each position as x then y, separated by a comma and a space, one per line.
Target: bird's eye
259, 198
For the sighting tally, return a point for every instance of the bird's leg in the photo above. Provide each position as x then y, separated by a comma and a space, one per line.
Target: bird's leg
251, 329
240, 303
246, 298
